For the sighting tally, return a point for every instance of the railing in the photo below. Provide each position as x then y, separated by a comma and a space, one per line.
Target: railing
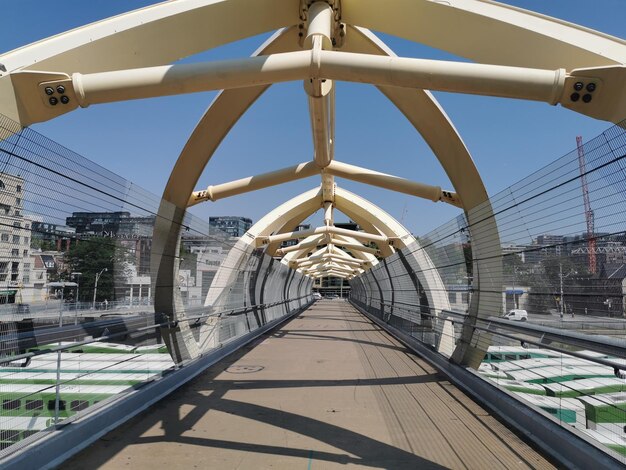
78, 328
46, 386
562, 347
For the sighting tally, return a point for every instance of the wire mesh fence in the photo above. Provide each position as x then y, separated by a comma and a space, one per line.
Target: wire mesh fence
563, 265
77, 284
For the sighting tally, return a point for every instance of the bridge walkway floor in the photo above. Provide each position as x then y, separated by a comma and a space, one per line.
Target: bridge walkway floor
327, 389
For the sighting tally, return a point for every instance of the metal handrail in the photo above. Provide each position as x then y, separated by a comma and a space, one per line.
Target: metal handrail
168, 323
596, 343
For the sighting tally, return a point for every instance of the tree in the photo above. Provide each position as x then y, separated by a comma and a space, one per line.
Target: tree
42, 245
512, 262
89, 257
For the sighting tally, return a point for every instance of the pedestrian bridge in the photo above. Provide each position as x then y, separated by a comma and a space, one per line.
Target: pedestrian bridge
232, 362
326, 389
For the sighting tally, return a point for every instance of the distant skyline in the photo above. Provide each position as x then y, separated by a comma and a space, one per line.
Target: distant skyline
141, 140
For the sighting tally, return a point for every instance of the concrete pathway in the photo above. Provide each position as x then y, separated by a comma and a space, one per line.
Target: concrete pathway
327, 390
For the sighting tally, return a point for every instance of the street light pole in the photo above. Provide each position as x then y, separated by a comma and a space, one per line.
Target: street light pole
76, 302
95, 287
561, 283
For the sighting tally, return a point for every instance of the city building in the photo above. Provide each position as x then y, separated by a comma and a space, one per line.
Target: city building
299, 228
134, 233
119, 225
350, 225
16, 262
52, 236
232, 225
195, 277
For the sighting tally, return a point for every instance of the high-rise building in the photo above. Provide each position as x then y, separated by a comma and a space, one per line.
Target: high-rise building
52, 236
232, 225
111, 224
16, 262
134, 233
299, 228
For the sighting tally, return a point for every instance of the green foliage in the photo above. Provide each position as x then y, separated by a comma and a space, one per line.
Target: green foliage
188, 260
42, 245
89, 257
512, 263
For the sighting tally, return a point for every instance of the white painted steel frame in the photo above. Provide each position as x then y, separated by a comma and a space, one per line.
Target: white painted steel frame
150, 37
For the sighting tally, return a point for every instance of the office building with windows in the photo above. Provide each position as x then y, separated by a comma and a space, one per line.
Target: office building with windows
16, 262
232, 225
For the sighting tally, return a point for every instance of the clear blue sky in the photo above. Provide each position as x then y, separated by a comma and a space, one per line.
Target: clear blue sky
142, 139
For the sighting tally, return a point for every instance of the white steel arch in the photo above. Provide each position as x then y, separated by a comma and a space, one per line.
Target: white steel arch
543, 59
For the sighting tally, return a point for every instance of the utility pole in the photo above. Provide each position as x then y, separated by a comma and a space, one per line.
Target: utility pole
95, 287
561, 283
76, 303
514, 298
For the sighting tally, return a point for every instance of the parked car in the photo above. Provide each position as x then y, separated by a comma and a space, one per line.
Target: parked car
317, 296
516, 315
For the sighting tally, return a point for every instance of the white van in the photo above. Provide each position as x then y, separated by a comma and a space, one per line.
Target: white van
516, 315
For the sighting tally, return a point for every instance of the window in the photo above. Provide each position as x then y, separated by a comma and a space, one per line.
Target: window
26, 279
78, 405
16, 239
11, 404
16, 224
4, 237
61, 405
452, 297
510, 357
18, 188
18, 201
17, 212
34, 404
27, 226
2, 185
25, 253
26, 265
15, 252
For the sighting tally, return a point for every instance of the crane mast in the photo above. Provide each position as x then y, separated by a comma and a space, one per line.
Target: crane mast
591, 240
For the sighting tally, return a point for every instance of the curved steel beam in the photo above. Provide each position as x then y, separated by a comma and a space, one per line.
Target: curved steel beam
488, 32
152, 35
305, 203
432, 123
358, 209
214, 125
145, 37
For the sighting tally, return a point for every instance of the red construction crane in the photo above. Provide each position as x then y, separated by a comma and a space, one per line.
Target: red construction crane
591, 240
